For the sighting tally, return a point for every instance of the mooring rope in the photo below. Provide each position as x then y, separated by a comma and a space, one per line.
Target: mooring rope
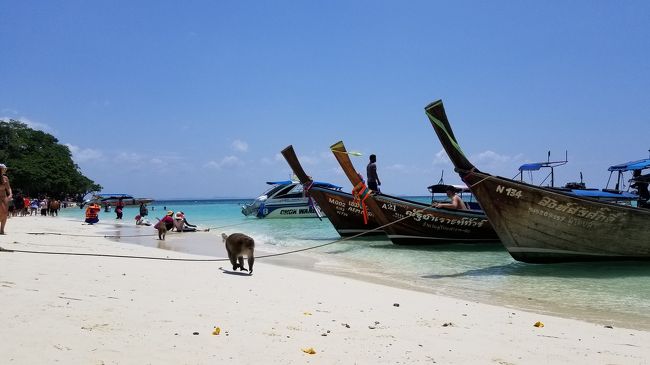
204, 260
128, 236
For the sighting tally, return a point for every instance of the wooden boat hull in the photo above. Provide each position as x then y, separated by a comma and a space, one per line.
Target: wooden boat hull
429, 226
344, 213
411, 223
340, 208
540, 225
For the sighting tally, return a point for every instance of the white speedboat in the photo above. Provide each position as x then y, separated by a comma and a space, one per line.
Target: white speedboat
112, 200
285, 199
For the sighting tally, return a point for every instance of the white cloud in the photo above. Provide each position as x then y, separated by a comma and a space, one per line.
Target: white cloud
157, 161
30, 123
239, 145
129, 157
397, 167
490, 158
84, 154
441, 158
277, 158
228, 161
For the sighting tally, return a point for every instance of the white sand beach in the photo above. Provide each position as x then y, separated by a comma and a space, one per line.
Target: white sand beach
101, 310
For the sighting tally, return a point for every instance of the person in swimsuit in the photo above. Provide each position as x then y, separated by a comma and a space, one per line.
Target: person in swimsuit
456, 201
5, 196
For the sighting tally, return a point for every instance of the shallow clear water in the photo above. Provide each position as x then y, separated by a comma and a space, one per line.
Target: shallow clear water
608, 293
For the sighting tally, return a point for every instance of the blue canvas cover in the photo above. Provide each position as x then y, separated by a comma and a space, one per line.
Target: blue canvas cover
531, 166
633, 165
316, 183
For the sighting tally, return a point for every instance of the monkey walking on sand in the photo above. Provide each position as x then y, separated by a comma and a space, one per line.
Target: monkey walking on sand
239, 245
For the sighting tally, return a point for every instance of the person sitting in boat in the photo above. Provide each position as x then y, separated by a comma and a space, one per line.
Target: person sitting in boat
456, 201
181, 224
92, 213
640, 183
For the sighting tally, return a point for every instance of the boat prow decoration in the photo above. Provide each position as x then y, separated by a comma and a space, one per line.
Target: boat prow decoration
338, 206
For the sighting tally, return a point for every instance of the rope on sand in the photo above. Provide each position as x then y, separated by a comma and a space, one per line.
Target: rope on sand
128, 236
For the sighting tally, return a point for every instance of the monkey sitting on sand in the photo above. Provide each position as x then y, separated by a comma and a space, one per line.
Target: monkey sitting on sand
239, 245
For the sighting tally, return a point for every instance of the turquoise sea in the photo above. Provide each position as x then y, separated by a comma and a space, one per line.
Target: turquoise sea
615, 294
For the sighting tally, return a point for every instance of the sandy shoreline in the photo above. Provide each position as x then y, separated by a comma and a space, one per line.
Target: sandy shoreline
97, 310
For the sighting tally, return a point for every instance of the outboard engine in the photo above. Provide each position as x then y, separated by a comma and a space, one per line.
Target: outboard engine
254, 207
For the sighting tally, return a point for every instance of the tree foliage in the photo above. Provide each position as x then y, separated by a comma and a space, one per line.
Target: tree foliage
39, 164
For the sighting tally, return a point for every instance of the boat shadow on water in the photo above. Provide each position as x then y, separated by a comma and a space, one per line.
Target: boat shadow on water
583, 270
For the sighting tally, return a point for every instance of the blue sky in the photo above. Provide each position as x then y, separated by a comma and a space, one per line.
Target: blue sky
196, 99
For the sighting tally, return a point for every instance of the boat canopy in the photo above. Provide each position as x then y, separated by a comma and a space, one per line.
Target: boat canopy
633, 165
316, 183
599, 194
112, 196
532, 166
442, 188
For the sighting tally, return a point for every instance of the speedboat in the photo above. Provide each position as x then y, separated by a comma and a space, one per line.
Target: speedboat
285, 199
105, 200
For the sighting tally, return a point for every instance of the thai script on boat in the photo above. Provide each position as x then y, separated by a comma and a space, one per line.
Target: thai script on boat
465, 221
574, 221
605, 214
446, 228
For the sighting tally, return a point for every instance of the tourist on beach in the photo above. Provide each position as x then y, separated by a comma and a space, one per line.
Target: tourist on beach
5, 196
33, 207
456, 201
181, 224
55, 205
143, 210
119, 208
92, 213
167, 220
141, 221
43, 207
371, 172
19, 204
26, 203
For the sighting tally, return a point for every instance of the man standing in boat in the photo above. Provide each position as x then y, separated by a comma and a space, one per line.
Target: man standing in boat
456, 201
371, 172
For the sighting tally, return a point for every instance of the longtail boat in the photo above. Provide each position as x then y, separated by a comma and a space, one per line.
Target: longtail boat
341, 208
414, 223
544, 225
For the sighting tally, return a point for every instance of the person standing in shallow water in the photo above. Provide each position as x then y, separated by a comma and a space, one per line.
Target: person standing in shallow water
119, 208
5, 196
371, 172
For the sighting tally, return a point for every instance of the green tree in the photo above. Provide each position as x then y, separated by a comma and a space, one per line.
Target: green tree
39, 164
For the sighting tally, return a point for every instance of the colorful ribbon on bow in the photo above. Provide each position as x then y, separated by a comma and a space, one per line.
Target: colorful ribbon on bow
361, 193
310, 202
